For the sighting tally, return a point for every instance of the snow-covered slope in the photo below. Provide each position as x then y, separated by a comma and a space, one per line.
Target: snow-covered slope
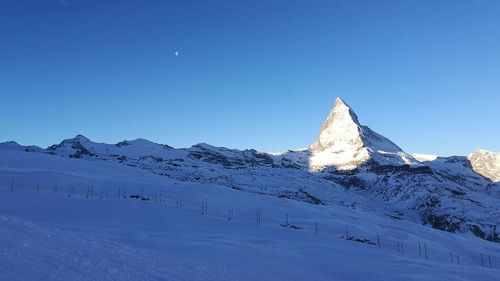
65, 234
424, 157
479, 163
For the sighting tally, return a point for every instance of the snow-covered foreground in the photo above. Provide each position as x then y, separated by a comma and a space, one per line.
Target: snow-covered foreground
45, 234
55, 238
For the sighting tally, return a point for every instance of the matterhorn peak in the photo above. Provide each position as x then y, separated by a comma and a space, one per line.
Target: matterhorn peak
345, 144
340, 128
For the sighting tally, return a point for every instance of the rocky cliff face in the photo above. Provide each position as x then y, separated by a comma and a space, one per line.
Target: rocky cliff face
486, 163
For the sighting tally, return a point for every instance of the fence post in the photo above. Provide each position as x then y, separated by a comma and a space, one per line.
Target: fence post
286, 222
346, 233
425, 248
101, 195
419, 249
402, 249
451, 257
92, 191
229, 215
202, 207
489, 259
482, 261
55, 188
378, 240
458, 259
160, 196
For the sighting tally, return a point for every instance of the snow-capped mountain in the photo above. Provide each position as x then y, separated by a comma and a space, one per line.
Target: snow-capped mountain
486, 163
348, 165
345, 144
481, 163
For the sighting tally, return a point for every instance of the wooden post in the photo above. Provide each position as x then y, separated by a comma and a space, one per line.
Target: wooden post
482, 261
425, 248
378, 240
458, 259
489, 259
346, 233
419, 249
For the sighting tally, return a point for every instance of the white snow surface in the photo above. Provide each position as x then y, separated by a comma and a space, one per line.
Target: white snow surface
63, 235
424, 157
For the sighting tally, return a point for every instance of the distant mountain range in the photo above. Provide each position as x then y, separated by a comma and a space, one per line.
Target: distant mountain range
349, 164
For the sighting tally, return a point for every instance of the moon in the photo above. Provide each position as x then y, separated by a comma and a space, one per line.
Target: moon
176, 53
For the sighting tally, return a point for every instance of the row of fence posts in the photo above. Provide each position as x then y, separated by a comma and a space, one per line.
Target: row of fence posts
204, 211
489, 261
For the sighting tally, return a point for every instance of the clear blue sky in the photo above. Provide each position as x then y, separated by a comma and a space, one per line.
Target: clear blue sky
250, 74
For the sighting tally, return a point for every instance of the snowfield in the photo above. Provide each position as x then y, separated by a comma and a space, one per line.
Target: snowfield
63, 235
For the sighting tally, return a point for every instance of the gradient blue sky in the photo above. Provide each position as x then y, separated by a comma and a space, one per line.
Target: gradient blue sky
250, 74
